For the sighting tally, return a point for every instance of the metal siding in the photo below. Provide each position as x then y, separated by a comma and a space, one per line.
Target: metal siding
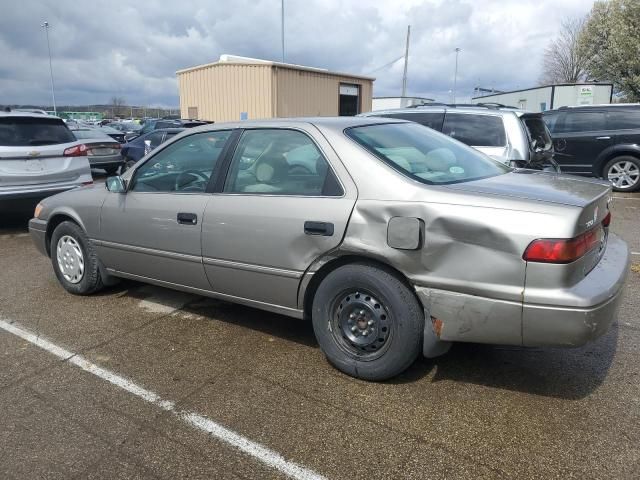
221, 92
532, 97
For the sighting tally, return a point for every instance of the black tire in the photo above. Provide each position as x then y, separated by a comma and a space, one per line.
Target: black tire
381, 291
90, 281
112, 170
635, 165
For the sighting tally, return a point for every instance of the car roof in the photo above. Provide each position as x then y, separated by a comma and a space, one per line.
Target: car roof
485, 110
329, 123
600, 106
14, 113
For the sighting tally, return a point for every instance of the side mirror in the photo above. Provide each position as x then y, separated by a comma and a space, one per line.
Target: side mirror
147, 146
115, 184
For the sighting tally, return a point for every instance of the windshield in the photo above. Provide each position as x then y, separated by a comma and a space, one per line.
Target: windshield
33, 131
425, 155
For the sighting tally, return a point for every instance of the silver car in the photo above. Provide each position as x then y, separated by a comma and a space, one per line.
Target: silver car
392, 238
102, 150
39, 156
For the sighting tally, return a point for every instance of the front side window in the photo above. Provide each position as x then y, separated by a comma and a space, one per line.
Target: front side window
279, 162
475, 130
184, 166
577, 121
623, 119
425, 155
538, 132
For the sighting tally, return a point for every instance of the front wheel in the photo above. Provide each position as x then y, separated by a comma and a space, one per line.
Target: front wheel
368, 323
623, 173
74, 260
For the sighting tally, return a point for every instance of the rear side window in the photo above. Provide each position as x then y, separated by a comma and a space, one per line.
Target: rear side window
431, 119
33, 132
582, 122
623, 119
475, 130
279, 162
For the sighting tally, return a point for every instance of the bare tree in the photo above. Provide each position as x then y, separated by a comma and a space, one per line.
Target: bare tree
116, 105
564, 58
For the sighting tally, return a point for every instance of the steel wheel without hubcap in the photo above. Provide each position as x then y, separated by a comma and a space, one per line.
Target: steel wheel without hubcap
70, 259
624, 174
360, 324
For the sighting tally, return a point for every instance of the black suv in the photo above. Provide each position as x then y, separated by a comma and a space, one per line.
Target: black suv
599, 141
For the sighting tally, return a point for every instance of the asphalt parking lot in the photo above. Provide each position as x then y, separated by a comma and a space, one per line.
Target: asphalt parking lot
478, 412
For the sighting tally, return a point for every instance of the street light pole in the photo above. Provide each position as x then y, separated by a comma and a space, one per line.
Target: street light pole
53, 90
455, 76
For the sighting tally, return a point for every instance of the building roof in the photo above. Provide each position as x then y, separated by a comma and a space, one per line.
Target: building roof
236, 60
539, 87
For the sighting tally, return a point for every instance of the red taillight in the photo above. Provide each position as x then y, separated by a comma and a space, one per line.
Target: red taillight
607, 220
77, 151
551, 250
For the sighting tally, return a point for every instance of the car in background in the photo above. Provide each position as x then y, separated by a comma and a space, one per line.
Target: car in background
598, 141
102, 150
138, 147
126, 128
514, 137
39, 156
114, 133
158, 123
399, 242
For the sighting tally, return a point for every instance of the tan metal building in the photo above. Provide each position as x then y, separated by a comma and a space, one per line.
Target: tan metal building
238, 88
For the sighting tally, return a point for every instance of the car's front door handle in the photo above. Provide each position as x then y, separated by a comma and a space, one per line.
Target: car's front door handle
318, 228
187, 218
603, 138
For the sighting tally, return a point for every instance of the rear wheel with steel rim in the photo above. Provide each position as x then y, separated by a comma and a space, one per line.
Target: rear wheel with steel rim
368, 322
623, 173
74, 259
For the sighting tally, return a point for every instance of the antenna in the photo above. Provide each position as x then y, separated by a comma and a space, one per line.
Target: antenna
406, 63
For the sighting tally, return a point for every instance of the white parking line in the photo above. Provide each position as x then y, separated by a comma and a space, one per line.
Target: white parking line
625, 198
253, 449
635, 253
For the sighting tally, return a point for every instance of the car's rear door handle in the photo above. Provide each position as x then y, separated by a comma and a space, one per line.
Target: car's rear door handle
318, 228
603, 138
187, 218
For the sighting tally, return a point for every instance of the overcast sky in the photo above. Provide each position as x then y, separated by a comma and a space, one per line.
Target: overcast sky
106, 48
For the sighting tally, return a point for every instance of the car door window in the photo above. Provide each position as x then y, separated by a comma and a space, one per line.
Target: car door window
623, 119
582, 122
155, 139
280, 162
184, 166
475, 130
431, 119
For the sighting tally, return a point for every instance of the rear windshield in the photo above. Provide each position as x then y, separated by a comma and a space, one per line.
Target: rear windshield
428, 119
33, 131
537, 131
425, 155
475, 130
82, 134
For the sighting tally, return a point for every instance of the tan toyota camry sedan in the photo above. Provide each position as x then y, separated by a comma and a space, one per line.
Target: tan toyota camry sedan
393, 239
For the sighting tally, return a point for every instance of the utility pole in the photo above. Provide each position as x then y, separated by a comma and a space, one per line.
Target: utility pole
406, 63
45, 25
282, 27
455, 76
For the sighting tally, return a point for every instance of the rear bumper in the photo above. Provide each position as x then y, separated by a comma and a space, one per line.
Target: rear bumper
582, 313
38, 232
111, 161
598, 295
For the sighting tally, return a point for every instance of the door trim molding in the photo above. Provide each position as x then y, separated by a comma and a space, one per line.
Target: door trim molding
280, 272
149, 251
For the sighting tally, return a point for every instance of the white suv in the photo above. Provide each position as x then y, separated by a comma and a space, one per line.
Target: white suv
39, 156
512, 136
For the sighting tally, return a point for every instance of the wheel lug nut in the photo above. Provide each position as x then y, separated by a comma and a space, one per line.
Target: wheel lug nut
365, 333
352, 316
361, 312
370, 322
354, 328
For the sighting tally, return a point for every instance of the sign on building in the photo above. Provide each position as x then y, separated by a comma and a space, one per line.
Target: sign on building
585, 95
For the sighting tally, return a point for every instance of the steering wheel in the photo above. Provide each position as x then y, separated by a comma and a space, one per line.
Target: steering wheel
179, 185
